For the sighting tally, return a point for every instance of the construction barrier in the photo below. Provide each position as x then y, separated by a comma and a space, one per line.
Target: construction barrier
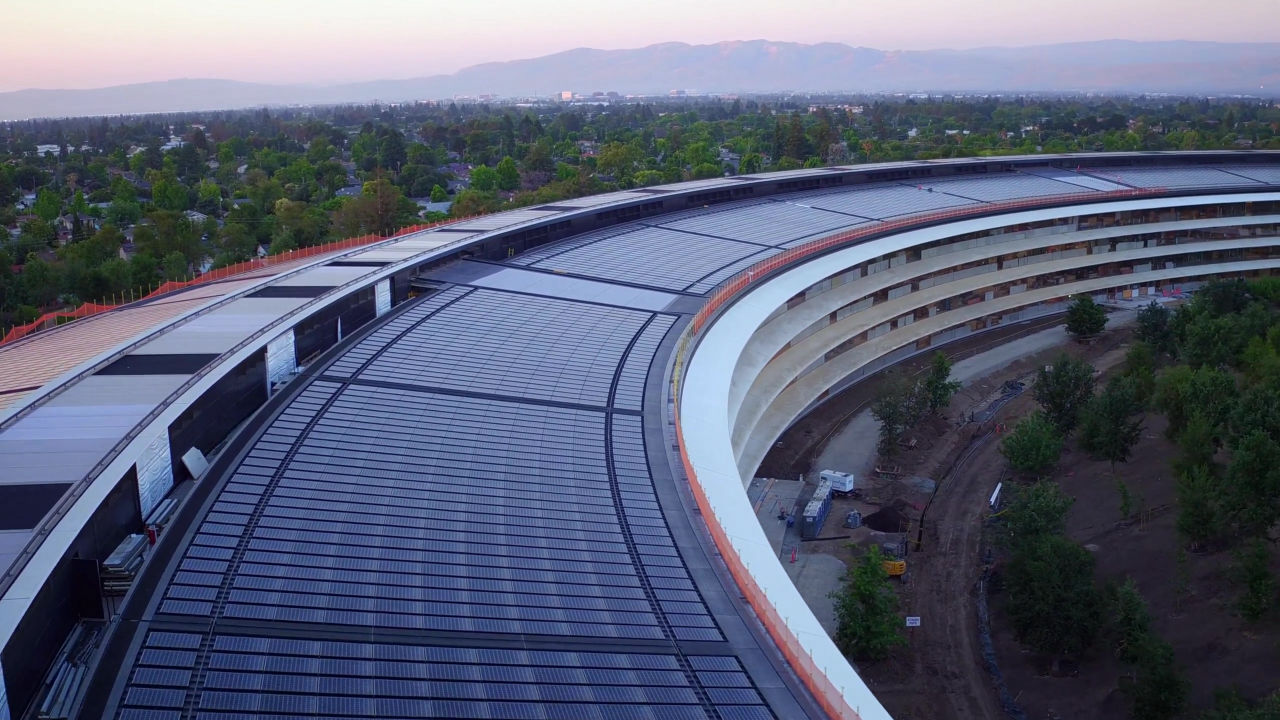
831, 698
59, 317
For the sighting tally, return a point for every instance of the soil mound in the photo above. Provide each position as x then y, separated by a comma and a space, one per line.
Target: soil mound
890, 518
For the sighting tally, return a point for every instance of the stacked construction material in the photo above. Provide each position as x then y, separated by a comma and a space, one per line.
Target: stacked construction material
161, 514
66, 677
120, 567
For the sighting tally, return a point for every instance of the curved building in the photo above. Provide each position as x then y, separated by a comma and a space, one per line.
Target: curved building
495, 469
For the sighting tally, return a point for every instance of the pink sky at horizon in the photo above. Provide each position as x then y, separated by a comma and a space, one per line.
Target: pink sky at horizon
91, 43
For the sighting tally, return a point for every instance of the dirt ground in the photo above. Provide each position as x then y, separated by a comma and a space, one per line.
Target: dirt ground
939, 673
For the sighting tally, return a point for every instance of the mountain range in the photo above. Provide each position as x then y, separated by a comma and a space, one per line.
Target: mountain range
755, 66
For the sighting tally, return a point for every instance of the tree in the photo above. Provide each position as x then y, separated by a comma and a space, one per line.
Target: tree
1201, 515
484, 179
175, 266
48, 205
1158, 690
1085, 317
39, 281
1154, 328
391, 151
1182, 391
938, 386
1032, 512
705, 171
439, 194
1229, 705
300, 224
618, 160
472, 202
1130, 620
508, 176
1258, 408
1107, 427
383, 207
1253, 572
169, 194
208, 197
1034, 445
898, 405
234, 244
1140, 368
1252, 487
1053, 604
1213, 341
1062, 391
867, 621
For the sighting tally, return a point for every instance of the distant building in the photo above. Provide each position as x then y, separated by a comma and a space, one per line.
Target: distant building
195, 216
566, 95
731, 159
425, 205
68, 222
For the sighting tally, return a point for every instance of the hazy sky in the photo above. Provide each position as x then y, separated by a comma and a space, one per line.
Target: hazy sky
93, 43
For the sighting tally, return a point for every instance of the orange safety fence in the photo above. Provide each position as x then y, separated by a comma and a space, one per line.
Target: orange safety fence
56, 317
831, 698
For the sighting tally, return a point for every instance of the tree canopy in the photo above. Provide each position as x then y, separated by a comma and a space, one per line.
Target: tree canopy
1085, 317
868, 626
1033, 446
1062, 391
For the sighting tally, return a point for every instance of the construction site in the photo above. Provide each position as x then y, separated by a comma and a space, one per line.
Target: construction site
930, 508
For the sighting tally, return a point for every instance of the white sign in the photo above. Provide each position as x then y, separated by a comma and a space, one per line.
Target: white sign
382, 297
155, 472
195, 462
282, 359
913, 621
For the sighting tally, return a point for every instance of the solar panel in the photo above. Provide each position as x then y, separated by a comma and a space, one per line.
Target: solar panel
652, 256
518, 346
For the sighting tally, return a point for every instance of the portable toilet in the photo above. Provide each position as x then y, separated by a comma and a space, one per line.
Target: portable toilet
815, 513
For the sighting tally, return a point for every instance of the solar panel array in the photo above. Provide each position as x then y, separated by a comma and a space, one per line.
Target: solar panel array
536, 348
1172, 177
244, 676
995, 188
629, 392
396, 495
768, 222
1265, 174
878, 202
650, 256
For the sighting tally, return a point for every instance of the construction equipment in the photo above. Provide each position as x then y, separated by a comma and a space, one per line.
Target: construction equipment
842, 483
894, 568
